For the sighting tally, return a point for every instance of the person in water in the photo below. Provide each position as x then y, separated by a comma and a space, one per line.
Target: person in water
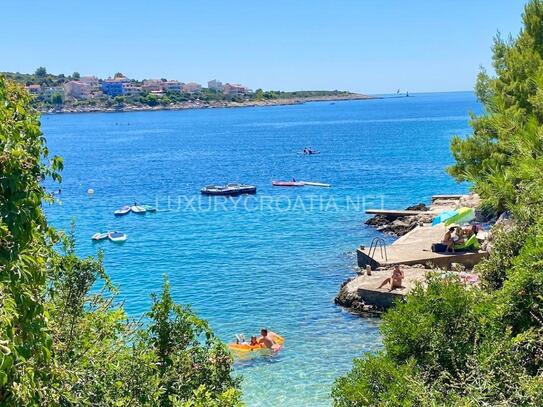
395, 280
265, 339
254, 341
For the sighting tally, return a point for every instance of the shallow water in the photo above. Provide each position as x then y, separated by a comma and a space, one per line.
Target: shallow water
276, 259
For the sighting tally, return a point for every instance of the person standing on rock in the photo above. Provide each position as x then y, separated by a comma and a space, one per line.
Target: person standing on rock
395, 280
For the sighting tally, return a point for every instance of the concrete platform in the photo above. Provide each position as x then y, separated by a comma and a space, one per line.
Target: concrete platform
396, 213
415, 248
447, 197
363, 290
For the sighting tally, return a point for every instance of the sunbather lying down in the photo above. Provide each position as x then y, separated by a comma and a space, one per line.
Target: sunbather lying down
395, 280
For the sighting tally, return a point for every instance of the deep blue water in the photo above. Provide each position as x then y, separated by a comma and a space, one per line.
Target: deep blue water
277, 259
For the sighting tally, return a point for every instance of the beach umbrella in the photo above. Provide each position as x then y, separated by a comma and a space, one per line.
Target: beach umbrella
462, 215
443, 216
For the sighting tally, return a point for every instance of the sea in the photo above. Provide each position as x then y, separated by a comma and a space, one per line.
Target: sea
275, 259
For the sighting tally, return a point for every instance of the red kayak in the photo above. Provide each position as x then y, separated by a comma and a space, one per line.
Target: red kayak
287, 184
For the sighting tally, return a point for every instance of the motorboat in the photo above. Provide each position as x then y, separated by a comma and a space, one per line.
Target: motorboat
117, 237
242, 188
228, 189
288, 183
138, 209
99, 236
125, 210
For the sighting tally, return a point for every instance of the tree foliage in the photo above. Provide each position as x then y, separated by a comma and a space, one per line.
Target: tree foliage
506, 147
40, 72
65, 339
451, 346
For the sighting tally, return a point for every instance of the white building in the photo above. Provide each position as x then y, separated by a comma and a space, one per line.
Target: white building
77, 89
235, 89
129, 89
34, 89
191, 87
152, 85
215, 85
92, 81
172, 86
50, 91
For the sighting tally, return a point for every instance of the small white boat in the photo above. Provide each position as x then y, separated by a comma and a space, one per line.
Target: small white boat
100, 236
149, 208
117, 237
122, 211
138, 209
317, 184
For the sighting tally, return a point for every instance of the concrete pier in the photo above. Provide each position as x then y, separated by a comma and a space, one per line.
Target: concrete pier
447, 197
396, 213
415, 248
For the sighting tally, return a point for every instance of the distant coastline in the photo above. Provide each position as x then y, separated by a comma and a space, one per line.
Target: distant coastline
206, 105
59, 93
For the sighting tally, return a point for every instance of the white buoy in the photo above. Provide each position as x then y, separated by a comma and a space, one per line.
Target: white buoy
90, 191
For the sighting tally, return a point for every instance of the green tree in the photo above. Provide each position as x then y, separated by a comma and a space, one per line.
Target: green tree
25, 240
118, 75
189, 357
57, 99
119, 101
451, 346
504, 144
65, 343
41, 72
76, 76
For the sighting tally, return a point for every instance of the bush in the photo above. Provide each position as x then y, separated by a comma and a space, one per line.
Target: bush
378, 381
63, 343
507, 241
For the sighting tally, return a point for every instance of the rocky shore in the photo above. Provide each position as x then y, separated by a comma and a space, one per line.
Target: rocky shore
399, 226
360, 294
202, 105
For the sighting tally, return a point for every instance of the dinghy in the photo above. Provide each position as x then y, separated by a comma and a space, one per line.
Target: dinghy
149, 208
122, 211
317, 184
117, 237
138, 209
287, 184
99, 236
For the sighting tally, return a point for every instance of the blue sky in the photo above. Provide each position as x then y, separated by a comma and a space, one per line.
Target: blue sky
372, 46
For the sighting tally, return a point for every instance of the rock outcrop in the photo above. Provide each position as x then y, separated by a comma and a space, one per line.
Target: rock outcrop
399, 226
361, 294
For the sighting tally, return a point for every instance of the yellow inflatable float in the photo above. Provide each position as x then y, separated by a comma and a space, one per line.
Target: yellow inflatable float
247, 347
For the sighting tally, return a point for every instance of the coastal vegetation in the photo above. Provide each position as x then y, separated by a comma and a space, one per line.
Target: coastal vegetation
452, 346
65, 339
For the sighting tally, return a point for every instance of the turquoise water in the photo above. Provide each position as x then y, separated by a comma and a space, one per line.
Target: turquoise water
276, 259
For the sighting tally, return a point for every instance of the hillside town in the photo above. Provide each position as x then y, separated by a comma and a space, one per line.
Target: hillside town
75, 93
89, 87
